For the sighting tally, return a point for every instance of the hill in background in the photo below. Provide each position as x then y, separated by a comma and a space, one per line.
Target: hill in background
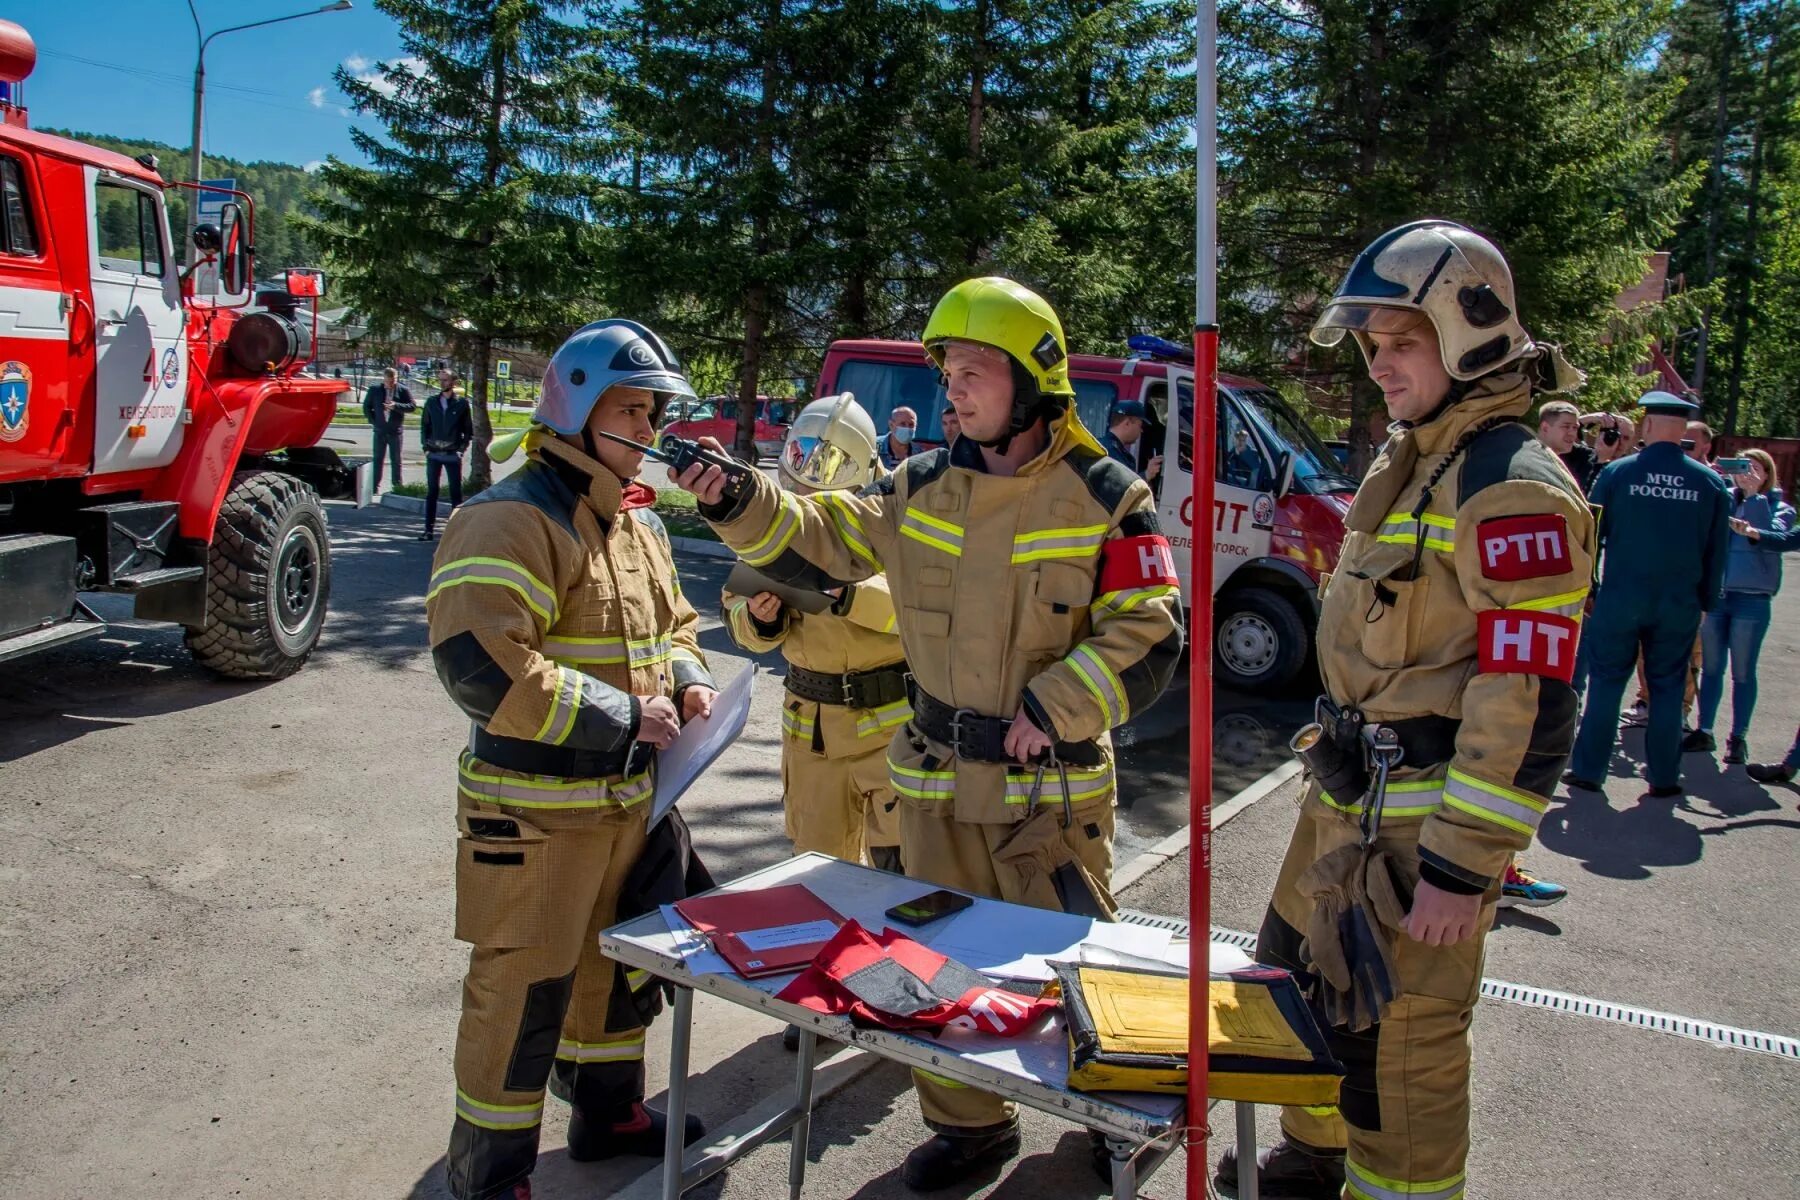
278, 189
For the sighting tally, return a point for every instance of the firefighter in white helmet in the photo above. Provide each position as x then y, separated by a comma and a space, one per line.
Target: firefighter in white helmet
1446, 635
557, 623
1037, 606
846, 679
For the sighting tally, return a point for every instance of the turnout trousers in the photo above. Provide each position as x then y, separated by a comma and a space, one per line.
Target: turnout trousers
1403, 1116
843, 807
1005, 861
541, 1006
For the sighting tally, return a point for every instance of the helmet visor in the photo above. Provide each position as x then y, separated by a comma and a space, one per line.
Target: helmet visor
1358, 316
819, 464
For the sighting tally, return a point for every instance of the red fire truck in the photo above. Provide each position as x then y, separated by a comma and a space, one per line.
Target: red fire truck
158, 437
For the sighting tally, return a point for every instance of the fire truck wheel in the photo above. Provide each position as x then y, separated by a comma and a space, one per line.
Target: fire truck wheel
268, 579
1261, 641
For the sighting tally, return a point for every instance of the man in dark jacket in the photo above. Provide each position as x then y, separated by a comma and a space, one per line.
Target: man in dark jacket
445, 431
386, 405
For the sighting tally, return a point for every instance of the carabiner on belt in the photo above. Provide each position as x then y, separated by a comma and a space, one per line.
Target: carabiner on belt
1382, 746
1037, 787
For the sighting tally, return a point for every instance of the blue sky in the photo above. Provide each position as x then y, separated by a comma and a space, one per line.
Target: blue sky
126, 68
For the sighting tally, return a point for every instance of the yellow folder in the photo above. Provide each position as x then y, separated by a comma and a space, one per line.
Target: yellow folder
1128, 1031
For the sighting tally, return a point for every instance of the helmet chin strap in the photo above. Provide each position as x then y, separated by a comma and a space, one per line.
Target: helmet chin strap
1028, 407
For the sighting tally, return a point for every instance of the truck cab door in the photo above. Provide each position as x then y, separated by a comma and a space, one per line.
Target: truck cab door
141, 364
1243, 509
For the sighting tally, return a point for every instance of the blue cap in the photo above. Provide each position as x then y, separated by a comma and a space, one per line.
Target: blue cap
1127, 408
1668, 404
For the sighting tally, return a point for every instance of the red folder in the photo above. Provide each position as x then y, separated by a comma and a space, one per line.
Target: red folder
770, 931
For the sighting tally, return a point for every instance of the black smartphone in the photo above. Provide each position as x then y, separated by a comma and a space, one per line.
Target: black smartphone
930, 907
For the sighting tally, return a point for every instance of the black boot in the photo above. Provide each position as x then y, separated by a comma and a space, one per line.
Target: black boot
1288, 1171
641, 1132
948, 1159
1737, 751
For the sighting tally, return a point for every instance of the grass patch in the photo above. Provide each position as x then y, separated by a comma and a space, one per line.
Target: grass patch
679, 512
353, 415
415, 490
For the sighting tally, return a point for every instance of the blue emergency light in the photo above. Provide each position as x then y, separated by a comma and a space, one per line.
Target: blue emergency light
1148, 345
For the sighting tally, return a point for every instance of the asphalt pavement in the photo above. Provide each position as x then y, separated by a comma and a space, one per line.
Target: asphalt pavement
227, 913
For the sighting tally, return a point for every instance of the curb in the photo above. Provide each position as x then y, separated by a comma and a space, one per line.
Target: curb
1172, 846
702, 547
408, 504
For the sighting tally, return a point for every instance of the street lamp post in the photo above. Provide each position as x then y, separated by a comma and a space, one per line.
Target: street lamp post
200, 84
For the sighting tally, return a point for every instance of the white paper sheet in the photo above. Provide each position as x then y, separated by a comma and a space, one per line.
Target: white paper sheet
701, 741
778, 936
1019, 943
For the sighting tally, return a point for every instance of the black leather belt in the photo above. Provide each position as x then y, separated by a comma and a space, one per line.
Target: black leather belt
1426, 741
567, 762
858, 689
983, 739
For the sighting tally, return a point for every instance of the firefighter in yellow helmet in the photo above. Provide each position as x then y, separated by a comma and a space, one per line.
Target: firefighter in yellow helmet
1037, 607
1446, 644
557, 623
846, 680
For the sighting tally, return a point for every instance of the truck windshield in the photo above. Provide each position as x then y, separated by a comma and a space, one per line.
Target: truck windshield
1316, 468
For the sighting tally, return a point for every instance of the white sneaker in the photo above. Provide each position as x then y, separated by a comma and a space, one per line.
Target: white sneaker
1636, 715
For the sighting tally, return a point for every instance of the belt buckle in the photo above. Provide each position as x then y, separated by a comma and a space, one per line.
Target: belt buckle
956, 732
848, 686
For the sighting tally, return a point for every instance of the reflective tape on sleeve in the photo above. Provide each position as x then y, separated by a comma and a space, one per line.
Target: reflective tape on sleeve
1503, 806
497, 572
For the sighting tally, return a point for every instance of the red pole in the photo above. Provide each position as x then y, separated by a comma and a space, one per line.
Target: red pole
1200, 589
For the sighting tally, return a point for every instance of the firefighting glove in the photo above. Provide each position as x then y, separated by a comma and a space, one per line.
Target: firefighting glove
1346, 941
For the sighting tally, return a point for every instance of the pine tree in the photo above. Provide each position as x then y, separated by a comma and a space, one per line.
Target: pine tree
473, 223
1534, 122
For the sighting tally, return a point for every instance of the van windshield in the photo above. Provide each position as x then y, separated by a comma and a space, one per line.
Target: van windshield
881, 387
1316, 468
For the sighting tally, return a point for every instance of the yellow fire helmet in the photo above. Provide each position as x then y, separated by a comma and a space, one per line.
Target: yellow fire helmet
1008, 316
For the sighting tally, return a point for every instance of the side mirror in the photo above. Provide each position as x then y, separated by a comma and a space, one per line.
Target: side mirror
207, 239
1284, 474
234, 254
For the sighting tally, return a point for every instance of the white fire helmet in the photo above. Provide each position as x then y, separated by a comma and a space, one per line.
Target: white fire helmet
1443, 272
831, 446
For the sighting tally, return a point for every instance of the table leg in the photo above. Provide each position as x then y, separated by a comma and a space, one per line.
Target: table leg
1124, 1168
1249, 1180
681, 1028
803, 1097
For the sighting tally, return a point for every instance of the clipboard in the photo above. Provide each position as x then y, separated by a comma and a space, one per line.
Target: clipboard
746, 580
701, 741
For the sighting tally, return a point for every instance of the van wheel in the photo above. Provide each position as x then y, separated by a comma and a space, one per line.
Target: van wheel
268, 579
1260, 642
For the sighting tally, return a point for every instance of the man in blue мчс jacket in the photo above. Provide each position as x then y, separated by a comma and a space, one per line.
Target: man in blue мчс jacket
1664, 531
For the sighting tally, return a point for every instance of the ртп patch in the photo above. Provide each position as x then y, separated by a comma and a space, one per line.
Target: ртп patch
1527, 547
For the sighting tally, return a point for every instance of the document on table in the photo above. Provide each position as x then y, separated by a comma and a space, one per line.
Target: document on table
691, 946
1019, 942
701, 741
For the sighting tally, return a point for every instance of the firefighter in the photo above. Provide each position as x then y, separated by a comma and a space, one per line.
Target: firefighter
846, 680
1037, 606
1451, 621
558, 624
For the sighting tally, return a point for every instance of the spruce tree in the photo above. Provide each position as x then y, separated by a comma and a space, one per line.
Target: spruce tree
473, 222
1536, 122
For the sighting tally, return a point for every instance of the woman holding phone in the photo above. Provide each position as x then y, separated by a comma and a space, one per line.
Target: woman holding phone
1736, 627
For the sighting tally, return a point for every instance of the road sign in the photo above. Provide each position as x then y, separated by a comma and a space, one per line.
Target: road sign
211, 200
503, 368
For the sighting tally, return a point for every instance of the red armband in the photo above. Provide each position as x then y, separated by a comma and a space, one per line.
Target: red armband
1136, 562
1527, 547
1520, 642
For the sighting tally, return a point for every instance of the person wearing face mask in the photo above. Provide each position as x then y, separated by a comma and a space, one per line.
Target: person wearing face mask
1037, 609
896, 443
1735, 629
1449, 626
558, 626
